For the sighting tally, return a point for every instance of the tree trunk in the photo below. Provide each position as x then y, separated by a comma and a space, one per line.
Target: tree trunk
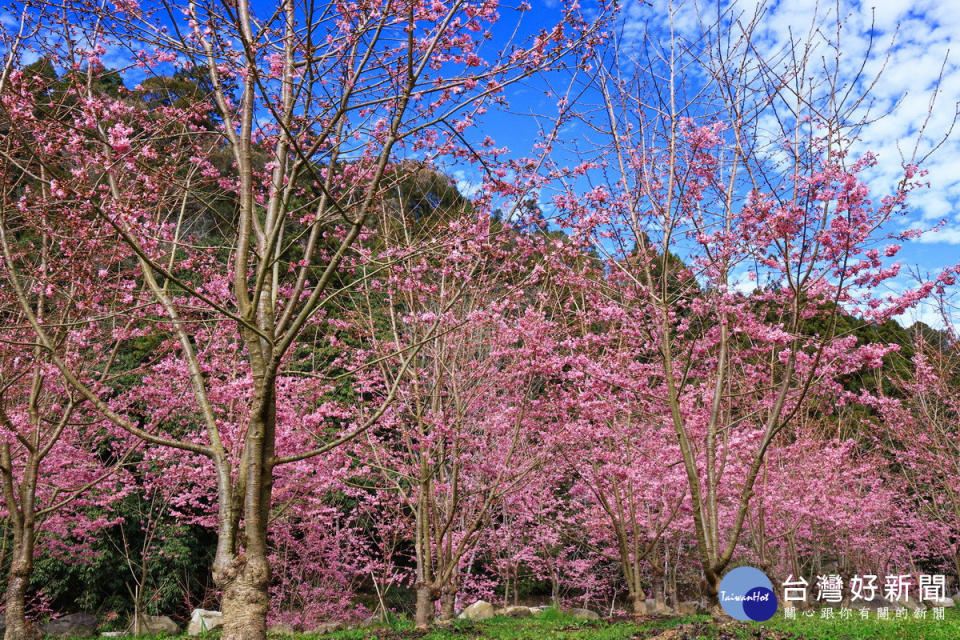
448, 599
711, 591
425, 608
18, 581
18, 628
246, 598
638, 604
658, 592
245, 576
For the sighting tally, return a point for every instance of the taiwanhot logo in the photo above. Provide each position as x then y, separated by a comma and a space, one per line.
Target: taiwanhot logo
747, 594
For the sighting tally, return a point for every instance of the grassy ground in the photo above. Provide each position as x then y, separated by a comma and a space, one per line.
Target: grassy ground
556, 626
905, 629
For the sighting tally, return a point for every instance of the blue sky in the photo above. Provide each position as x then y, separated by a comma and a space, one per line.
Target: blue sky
913, 41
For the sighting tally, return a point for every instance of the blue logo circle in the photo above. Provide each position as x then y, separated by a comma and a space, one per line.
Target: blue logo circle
760, 604
747, 594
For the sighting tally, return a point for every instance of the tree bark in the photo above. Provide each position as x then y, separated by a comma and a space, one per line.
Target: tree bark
245, 577
447, 603
18, 627
658, 592
23, 517
638, 604
246, 598
425, 607
711, 591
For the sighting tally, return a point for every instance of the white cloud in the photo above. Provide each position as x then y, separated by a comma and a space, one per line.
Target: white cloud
8, 19
904, 41
947, 235
922, 32
468, 186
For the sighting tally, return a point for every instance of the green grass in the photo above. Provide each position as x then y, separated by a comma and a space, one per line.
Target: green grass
553, 625
872, 629
545, 627
556, 626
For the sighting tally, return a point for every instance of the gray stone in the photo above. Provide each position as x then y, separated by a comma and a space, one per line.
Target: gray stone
479, 610
281, 629
112, 634
202, 621
330, 627
876, 603
946, 603
584, 614
155, 625
75, 625
370, 621
690, 608
909, 603
516, 612
654, 609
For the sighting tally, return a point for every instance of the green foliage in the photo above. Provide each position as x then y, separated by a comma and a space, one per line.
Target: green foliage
872, 629
103, 582
559, 626
553, 624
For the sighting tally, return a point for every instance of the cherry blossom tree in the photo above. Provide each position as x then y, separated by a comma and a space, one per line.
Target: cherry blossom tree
920, 420
57, 458
623, 458
457, 439
723, 246
326, 98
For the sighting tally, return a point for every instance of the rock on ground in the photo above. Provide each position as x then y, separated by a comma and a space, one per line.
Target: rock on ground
517, 612
155, 625
654, 609
75, 625
876, 603
282, 629
330, 627
584, 614
479, 610
689, 608
202, 620
946, 603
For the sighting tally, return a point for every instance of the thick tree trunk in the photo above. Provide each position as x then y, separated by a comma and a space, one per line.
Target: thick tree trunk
246, 598
638, 604
425, 607
448, 599
244, 576
23, 520
711, 591
18, 581
18, 627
